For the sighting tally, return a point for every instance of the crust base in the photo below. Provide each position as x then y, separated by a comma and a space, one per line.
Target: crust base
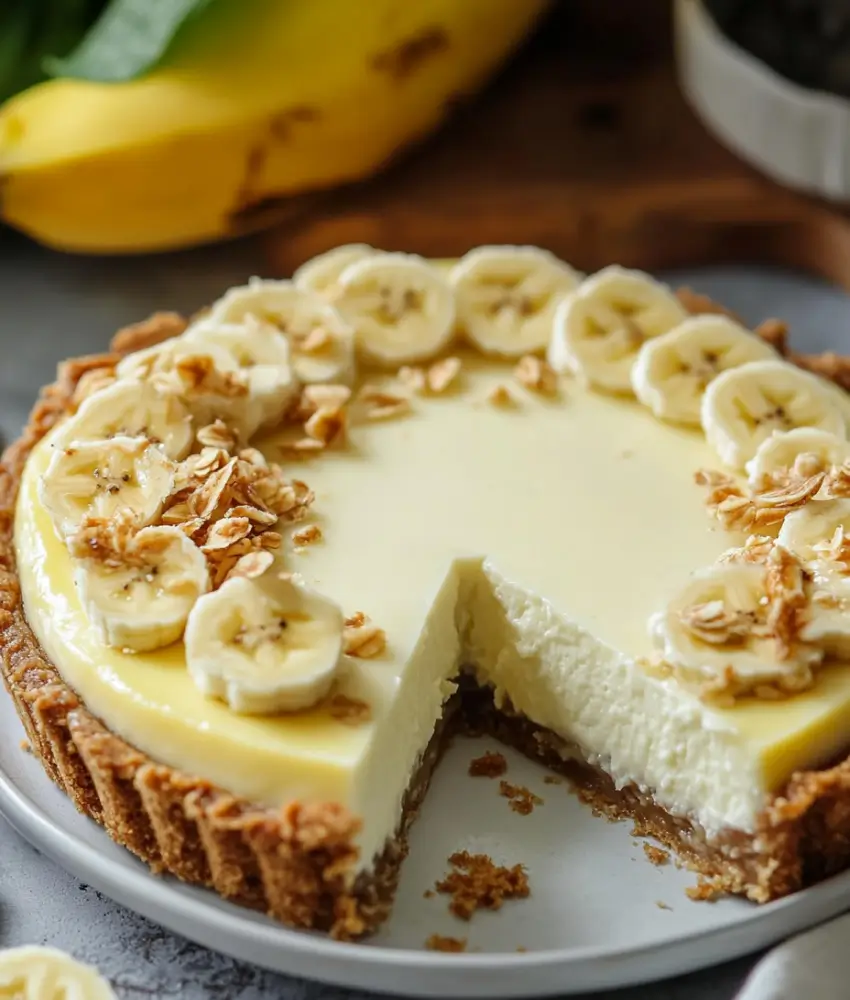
296, 863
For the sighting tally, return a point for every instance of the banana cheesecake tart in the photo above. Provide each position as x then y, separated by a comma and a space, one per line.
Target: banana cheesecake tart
256, 567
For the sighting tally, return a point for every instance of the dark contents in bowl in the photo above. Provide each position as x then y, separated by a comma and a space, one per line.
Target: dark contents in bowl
807, 41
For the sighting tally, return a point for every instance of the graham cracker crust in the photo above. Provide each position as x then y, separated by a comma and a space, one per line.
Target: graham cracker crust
296, 863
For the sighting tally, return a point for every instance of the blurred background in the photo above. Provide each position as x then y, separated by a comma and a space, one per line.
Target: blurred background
655, 132
152, 154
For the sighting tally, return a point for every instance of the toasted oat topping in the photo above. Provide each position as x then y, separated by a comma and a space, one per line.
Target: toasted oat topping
837, 485
196, 375
413, 378
217, 435
361, 638
329, 396
443, 374
755, 549
535, 374
785, 587
381, 405
107, 540
251, 565
305, 447
316, 341
500, 395
836, 550
714, 623
308, 535
230, 504
327, 425
740, 509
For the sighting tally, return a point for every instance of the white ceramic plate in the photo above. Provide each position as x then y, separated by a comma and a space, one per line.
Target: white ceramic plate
592, 921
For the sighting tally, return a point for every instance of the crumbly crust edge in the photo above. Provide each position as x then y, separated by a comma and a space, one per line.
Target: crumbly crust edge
297, 863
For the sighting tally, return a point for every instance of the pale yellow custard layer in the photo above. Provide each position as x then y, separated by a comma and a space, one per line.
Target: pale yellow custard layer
536, 540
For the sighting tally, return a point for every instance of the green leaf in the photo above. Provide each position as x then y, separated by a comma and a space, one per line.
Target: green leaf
128, 39
17, 25
33, 29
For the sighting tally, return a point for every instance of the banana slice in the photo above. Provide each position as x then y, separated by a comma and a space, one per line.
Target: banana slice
599, 329
264, 645
321, 344
401, 308
672, 371
506, 297
811, 532
840, 397
800, 453
718, 625
33, 973
261, 354
98, 478
210, 382
140, 596
321, 274
827, 623
129, 408
819, 535
744, 406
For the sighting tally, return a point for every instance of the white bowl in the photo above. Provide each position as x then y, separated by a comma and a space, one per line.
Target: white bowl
799, 137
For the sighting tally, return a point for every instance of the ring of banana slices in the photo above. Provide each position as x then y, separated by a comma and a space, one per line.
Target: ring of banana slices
168, 512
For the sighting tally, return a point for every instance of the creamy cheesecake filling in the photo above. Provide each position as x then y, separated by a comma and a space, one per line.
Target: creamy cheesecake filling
533, 541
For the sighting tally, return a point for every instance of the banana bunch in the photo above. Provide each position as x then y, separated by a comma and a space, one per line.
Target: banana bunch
261, 100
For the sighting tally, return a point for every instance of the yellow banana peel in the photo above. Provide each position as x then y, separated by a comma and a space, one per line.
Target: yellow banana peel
307, 95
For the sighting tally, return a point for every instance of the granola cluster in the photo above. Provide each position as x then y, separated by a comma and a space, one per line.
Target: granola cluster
229, 501
740, 508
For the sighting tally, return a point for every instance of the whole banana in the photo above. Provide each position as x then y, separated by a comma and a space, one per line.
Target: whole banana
298, 96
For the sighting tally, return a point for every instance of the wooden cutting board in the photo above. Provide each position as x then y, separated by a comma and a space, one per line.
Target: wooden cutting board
586, 146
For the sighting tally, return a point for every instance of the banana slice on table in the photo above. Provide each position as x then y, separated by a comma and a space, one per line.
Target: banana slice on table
264, 645
140, 598
719, 623
321, 344
506, 297
321, 273
744, 406
815, 532
672, 371
401, 308
599, 329
98, 478
130, 408
800, 453
34, 973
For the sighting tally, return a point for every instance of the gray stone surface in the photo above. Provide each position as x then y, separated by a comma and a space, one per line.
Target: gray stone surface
53, 306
